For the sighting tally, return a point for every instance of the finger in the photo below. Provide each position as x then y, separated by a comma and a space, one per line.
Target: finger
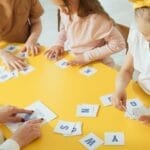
51, 55
16, 119
48, 53
9, 67
14, 66
119, 105
28, 51
20, 110
24, 49
19, 65
62, 50
36, 49
32, 51
143, 118
57, 54
22, 62
35, 121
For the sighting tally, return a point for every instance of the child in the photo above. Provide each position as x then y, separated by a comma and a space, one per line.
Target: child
138, 57
20, 22
88, 31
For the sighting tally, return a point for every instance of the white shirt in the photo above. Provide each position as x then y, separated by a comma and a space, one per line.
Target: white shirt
9, 145
140, 51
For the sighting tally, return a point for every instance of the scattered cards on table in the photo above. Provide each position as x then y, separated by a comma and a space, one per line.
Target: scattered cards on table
6, 75
87, 110
40, 111
88, 71
67, 128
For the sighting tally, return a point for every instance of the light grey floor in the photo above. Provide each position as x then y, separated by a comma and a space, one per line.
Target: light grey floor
120, 10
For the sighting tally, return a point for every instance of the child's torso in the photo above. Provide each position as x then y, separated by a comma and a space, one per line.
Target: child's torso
86, 33
14, 16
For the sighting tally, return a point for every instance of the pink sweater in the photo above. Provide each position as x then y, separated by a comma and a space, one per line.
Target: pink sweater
93, 36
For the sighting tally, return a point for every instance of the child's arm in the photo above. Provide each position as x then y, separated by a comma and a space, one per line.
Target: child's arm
36, 29
123, 79
11, 61
35, 13
114, 43
31, 43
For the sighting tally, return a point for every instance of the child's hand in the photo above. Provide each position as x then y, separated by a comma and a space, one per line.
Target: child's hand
79, 60
9, 114
13, 62
31, 48
28, 132
145, 119
119, 100
54, 52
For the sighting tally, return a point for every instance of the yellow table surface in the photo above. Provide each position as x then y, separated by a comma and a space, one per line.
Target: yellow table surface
62, 90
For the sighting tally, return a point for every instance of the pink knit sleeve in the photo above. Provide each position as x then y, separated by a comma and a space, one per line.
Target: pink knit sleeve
114, 43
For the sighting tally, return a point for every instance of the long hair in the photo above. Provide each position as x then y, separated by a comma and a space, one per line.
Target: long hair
86, 7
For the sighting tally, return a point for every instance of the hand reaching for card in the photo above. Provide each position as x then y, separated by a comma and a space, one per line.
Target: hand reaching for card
28, 132
13, 62
54, 52
9, 114
31, 48
119, 100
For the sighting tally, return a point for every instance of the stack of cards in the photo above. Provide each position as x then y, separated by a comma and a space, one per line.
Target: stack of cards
134, 109
106, 100
63, 63
67, 128
40, 111
87, 110
91, 141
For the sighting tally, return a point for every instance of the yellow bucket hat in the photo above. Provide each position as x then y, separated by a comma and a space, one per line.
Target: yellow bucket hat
140, 3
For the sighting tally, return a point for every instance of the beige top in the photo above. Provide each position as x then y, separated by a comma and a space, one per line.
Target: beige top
15, 16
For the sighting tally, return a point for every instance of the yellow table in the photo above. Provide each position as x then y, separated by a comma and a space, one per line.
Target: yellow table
62, 90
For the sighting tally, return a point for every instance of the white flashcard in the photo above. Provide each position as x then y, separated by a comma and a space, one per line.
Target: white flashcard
91, 141
106, 100
64, 127
88, 71
40, 111
63, 63
114, 138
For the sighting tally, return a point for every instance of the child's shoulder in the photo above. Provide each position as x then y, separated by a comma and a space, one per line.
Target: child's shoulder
134, 33
99, 17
